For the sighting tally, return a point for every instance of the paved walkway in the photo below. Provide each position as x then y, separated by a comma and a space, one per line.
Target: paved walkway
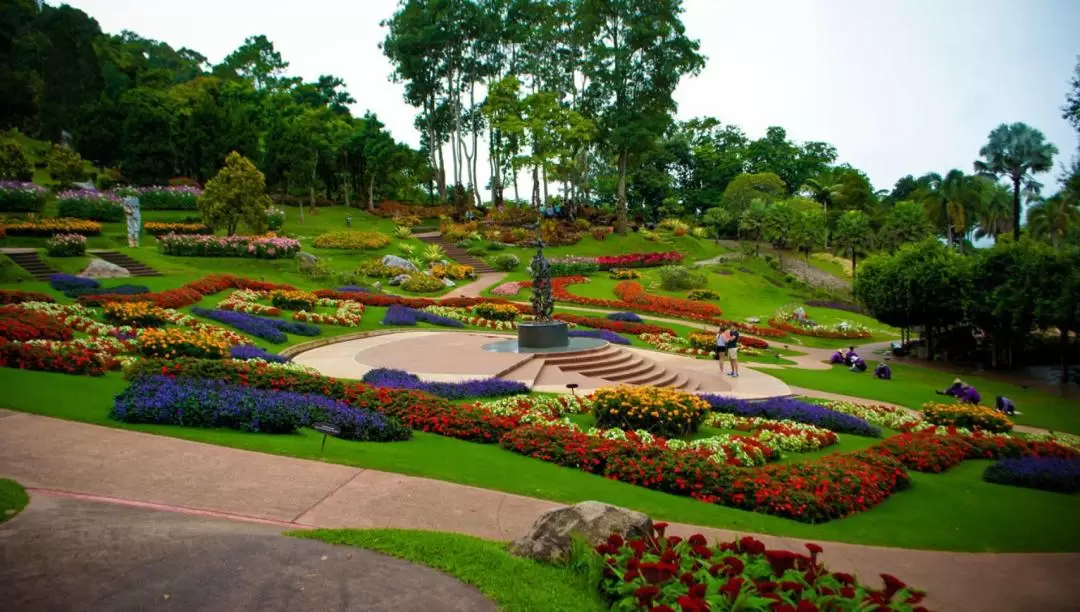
478, 286
57, 458
63, 554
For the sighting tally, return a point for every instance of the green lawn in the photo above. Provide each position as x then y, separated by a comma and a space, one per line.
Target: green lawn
912, 386
513, 583
13, 499
925, 517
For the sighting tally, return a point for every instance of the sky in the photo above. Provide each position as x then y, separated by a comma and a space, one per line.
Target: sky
897, 86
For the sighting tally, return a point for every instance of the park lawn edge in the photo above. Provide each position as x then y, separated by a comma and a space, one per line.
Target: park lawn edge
13, 499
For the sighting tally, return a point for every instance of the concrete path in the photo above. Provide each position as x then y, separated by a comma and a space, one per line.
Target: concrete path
57, 458
479, 285
63, 554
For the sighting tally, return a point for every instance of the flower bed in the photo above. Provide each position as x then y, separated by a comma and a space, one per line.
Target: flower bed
624, 274
174, 342
668, 573
157, 228
247, 351
209, 403
178, 197
1045, 473
485, 387
403, 315
639, 260
49, 227
624, 317
21, 196
45, 356
497, 312
90, 204
782, 320
248, 301
422, 283
22, 324
968, 416
348, 314
192, 245
15, 296
786, 409
670, 343
634, 329
352, 240
135, 314
877, 414
68, 282
507, 289
924, 452
660, 410
290, 299
115, 290
271, 330
453, 271
66, 245
465, 316
601, 334
186, 295
632, 292
778, 435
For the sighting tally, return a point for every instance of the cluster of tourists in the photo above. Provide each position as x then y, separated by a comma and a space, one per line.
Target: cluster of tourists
727, 345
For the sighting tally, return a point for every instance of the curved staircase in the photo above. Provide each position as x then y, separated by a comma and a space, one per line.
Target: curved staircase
604, 366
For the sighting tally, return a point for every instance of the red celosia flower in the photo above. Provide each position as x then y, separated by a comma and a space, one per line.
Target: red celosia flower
646, 594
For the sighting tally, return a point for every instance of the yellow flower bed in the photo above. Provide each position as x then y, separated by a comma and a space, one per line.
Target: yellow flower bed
452, 271
352, 240
293, 300
659, 410
135, 314
968, 416
48, 227
176, 342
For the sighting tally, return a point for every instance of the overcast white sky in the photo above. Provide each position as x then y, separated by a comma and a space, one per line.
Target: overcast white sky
899, 86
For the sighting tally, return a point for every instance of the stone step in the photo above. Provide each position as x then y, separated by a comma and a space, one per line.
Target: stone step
580, 357
606, 368
630, 375
136, 268
33, 264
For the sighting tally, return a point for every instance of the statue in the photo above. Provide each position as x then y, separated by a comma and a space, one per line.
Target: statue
134, 219
542, 304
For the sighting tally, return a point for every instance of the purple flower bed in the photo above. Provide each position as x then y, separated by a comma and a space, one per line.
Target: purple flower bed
67, 282
837, 305
247, 351
789, 409
353, 289
1045, 473
403, 315
193, 402
625, 317
603, 334
482, 387
118, 289
271, 330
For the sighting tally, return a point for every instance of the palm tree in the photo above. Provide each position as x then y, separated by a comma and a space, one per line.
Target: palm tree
1016, 151
949, 201
1051, 219
995, 214
824, 190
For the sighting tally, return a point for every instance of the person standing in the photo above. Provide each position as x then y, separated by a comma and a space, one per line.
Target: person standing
721, 347
733, 352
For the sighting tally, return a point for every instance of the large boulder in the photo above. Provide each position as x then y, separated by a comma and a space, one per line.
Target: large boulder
397, 280
306, 260
99, 268
448, 283
550, 536
394, 261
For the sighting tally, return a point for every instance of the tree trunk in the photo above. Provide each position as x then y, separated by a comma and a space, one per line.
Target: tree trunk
544, 170
311, 186
1064, 356
371, 193
1016, 208
620, 203
442, 176
852, 264
348, 179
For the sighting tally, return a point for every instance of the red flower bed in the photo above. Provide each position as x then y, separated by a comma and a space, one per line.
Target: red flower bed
992, 446
662, 573
14, 296
804, 331
51, 358
924, 452
767, 332
187, 295
376, 299
639, 260
23, 325
634, 293
621, 327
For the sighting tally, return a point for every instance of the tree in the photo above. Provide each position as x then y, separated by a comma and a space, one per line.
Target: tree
258, 61
905, 223
65, 166
1018, 152
636, 53
1071, 111
994, 217
749, 187
853, 235
777, 226
235, 195
14, 165
808, 229
949, 202
1052, 219
1003, 307
1058, 304
716, 219
752, 221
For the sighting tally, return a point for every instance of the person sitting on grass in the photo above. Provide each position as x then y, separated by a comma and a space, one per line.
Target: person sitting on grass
837, 358
883, 371
1005, 406
954, 390
858, 364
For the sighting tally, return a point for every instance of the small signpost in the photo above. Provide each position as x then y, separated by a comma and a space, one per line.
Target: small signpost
572, 387
326, 429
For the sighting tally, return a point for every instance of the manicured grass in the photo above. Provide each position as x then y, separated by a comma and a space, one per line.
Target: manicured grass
912, 386
921, 518
513, 583
13, 499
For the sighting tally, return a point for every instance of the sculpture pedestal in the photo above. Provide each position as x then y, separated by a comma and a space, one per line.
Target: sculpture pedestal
542, 335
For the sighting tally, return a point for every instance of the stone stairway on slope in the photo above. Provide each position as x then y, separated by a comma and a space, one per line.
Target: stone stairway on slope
32, 263
456, 253
136, 268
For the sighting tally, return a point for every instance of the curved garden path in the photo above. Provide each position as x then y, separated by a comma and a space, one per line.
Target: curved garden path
62, 459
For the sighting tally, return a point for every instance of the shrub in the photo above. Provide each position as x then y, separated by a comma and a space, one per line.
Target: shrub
49, 227
702, 295
14, 164
601, 334
433, 253
968, 416
452, 271
505, 262
699, 232
668, 573
271, 330
155, 228
679, 278
293, 300
373, 268
625, 317
211, 403
234, 196
16, 196
189, 245
352, 240
600, 233
173, 197
135, 314
486, 387
66, 245
573, 268
497, 312
658, 410
786, 409
422, 283
275, 218
65, 166
624, 274
496, 246
1046, 473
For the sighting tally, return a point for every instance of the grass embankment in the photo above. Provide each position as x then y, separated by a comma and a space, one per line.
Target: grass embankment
13, 499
